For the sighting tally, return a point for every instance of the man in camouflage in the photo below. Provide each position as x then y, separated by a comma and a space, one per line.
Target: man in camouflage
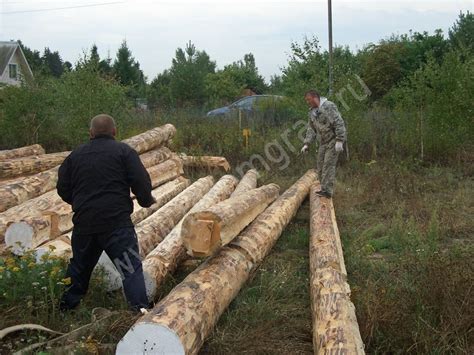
326, 124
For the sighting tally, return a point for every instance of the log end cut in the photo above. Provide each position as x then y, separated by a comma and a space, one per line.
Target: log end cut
19, 237
201, 233
150, 338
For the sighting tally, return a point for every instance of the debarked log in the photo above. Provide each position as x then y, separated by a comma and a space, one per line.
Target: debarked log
152, 138
205, 162
335, 328
165, 258
31, 165
205, 231
27, 151
180, 323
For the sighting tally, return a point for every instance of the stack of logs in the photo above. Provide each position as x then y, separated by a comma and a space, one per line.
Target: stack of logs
234, 224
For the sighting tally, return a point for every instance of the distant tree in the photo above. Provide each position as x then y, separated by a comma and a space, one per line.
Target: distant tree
67, 66
52, 63
128, 71
159, 94
461, 35
33, 57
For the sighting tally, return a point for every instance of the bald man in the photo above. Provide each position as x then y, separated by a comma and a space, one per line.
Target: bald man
96, 179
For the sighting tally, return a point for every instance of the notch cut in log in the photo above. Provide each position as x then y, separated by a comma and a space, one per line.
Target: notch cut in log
31, 165
180, 323
335, 328
152, 138
27, 151
205, 231
205, 162
165, 258
152, 230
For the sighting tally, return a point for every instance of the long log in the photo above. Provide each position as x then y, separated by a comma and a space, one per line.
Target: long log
205, 231
152, 138
164, 259
205, 162
152, 230
30, 165
165, 171
27, 151
335, 328
180, 323
247, 183
17, 192
155, 156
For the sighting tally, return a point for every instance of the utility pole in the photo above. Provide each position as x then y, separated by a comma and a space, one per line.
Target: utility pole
330, 45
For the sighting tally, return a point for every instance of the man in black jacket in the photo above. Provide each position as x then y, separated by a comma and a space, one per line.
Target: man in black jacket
96, 179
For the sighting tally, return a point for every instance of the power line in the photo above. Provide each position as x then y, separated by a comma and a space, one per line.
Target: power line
60, 8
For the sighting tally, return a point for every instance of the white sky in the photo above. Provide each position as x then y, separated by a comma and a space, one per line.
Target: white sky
225, 29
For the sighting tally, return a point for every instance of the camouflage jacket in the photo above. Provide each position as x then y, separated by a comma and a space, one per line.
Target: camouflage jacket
325, 123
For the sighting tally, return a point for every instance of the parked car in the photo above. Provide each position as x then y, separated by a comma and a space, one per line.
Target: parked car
247, 105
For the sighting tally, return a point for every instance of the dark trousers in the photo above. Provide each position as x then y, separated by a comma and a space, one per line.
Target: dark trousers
122, 248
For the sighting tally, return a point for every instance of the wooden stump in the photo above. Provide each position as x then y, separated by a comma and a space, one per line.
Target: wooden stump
31, 165
180, 323
30, 150
165, 258
153, 138
335, 328
205, 231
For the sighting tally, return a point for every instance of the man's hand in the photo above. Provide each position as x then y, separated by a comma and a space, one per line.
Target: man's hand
339, 147
304, 150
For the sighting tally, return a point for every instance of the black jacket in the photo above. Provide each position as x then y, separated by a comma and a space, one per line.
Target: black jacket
96, 179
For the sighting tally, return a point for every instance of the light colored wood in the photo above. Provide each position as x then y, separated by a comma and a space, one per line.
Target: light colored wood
31, 165
335, 328
165, 258
16, 192
180, 323
152, 138
59, 248
247, 183
155, 156
165, 171
152, 230
205, 162
27, 151
205, 231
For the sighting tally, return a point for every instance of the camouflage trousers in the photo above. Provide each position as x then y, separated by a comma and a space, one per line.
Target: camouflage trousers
326, 166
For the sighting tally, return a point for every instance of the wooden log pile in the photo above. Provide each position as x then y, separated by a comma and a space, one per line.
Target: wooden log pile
233, 223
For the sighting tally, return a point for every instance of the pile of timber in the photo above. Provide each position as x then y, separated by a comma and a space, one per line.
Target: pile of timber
233, 223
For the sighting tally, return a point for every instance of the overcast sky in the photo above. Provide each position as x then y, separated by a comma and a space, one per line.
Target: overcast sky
225, 29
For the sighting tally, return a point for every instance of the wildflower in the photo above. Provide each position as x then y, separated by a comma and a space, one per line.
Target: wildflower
31, 265
2, 269
66, 281
35, 284
16, 269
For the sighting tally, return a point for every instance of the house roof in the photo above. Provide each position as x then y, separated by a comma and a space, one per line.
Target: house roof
7, 50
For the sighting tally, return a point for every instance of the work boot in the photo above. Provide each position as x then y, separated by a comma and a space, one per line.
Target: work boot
323, 193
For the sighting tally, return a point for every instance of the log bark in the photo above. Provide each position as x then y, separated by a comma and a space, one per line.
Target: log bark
27, 188
335, 328
31, 165
180, 323
164, 172
152, 230
153, 138
27, 151
155, 156
205, 162
247, 183
206, 231
165, 258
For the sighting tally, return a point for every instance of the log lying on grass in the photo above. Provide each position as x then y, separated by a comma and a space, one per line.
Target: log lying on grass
24, 189
27, 151
59, 247
205, 162
205, 231
153, 229
180, 323
152, 138
155, 156
164, 259
31, 165
247, 183
335, 328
